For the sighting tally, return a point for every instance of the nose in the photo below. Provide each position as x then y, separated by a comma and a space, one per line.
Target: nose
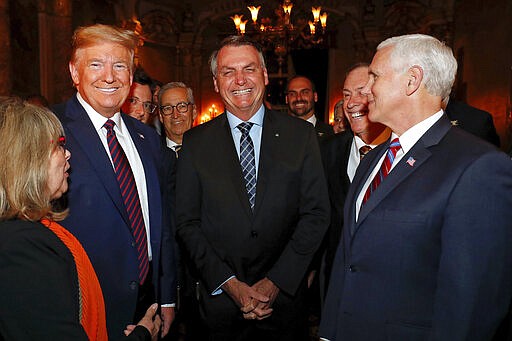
109, 74
67, 154
367, 88
240, 78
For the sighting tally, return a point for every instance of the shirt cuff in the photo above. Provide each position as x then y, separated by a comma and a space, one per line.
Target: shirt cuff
219, 290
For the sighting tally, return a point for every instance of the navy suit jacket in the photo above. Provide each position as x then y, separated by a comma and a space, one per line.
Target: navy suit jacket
99, 220
430, 256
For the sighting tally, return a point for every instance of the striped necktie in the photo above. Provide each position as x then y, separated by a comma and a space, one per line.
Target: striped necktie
247, 161
130, 196
393, 148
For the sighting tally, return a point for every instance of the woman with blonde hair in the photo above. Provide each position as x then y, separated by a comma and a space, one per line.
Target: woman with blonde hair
49, 290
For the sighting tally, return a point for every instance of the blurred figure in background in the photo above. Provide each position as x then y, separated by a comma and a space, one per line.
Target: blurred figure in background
139, 103
340, 120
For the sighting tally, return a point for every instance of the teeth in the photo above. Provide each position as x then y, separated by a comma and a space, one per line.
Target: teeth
242, 92
356, 115
107, 89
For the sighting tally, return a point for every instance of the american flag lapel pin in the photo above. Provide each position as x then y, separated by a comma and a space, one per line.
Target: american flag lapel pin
411, 161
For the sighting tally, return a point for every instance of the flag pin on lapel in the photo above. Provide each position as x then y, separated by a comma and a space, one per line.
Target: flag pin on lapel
411, 161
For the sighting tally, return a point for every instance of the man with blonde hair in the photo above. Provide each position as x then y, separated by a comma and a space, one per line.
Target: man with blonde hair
117, 208
425, 252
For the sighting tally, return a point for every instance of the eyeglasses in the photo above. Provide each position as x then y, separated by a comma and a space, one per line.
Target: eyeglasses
147, 106
61, 142
181, 107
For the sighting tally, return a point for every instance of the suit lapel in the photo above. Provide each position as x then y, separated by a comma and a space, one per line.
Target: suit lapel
84, 133
150, 171
226, 154
269, 137
418, 154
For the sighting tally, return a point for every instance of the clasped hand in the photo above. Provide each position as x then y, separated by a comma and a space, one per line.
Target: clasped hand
255, 301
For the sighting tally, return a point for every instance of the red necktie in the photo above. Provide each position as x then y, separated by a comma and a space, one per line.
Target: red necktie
130, 196
393, 148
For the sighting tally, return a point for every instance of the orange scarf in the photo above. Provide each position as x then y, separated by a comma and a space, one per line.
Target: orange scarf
92, 308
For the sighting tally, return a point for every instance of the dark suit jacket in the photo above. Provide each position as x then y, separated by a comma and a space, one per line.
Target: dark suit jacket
430, 256
335, 155
473, 120
323, 130
215, 222
39, 286
99, 220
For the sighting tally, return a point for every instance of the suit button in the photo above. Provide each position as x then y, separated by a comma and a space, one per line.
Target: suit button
133, 244
352, 268
254, 234
133, 285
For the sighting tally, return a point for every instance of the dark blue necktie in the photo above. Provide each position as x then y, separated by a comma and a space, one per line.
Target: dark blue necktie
247, 161
130, 196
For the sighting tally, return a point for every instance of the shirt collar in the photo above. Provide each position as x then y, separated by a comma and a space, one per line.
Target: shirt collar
256, 119
312, 120
97, 119
409, 138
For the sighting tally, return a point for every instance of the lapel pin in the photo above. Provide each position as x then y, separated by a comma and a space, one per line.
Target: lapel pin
411, 161
455, 123
276, 134
141, 136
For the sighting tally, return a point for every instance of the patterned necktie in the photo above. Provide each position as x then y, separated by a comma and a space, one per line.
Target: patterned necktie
393, 148
130, 196
177, 148
363, 151
247, 161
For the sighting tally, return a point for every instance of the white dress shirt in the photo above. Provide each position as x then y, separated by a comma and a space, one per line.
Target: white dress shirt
407, 141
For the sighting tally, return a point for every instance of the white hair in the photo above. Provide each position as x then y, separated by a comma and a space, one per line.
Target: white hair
433, 56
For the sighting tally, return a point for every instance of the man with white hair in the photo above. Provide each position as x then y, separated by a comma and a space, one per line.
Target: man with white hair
425, 252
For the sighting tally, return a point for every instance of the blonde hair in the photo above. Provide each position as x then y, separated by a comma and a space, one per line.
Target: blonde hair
29, 136
87, 36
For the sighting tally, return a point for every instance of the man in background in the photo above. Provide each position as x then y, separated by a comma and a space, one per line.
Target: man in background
341, 156
139, 103
301, 97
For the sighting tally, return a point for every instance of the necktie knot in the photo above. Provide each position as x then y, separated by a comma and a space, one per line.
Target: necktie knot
364, 150
109, 125
245, 128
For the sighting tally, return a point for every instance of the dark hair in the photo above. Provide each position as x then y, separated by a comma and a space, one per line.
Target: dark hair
301, 76
235, 41
140, 76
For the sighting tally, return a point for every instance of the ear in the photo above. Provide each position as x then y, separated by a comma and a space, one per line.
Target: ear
74, 73
215, 84
194, 112
414, 79
315, 96
265, 74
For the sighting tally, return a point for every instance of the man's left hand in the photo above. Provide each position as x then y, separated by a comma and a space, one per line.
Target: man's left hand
168, 315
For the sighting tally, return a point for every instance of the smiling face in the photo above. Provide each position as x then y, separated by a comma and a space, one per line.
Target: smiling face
240, 80
176, 124
58, 166
301, 98
102, 76
355, 102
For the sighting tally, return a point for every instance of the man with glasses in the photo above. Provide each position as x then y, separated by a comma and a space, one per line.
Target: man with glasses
177, 112
139, 103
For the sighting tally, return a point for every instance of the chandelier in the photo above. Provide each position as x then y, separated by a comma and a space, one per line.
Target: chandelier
280, 34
